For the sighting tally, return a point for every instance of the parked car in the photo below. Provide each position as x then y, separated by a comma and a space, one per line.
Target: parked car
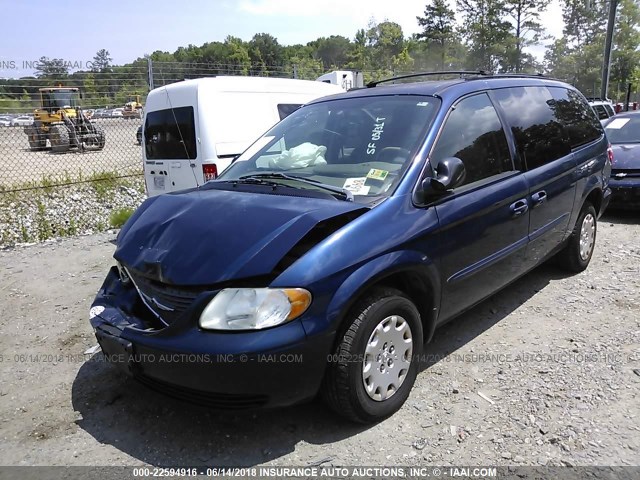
22, 121
116, 113
99, 113
623, 132
139, 135
5, 121
323, 259
604, 109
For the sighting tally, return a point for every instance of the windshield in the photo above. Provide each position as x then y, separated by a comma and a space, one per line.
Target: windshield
60, 99
623, 129
361, 145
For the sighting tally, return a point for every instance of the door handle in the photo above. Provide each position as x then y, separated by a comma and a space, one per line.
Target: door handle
519, 207
538, 198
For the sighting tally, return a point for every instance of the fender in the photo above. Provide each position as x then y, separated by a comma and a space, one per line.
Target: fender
414, 264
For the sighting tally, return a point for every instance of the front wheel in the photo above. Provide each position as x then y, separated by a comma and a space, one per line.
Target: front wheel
575, 257
375, 364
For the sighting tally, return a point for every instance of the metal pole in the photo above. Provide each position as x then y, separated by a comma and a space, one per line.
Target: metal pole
626, 104
150, 73
606, 64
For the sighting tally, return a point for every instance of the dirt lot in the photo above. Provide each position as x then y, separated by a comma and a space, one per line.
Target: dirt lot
18, 164
547, 372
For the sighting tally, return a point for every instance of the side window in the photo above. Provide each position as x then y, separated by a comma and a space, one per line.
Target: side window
170, 134
286, 109
609, 109
574, 113
533, 115
474, 134
600, 111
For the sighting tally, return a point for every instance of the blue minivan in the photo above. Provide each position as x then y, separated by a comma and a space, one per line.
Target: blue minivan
323, 259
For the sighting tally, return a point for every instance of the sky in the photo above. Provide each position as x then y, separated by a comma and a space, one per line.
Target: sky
75, 30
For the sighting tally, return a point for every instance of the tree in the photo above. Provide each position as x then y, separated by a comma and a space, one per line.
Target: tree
525, 15
625, 51
486, 33
386, 42
583, 21
101, 61
237, 55
333, 51
51, 68
266, 53
438, 26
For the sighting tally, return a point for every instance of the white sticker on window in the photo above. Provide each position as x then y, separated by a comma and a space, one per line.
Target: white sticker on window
357, 186
422, 104
617, 123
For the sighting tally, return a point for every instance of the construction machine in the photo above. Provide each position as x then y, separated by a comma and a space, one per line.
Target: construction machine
61, 121
133, 108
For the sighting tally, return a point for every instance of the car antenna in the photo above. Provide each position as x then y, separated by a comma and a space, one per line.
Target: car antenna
184, 145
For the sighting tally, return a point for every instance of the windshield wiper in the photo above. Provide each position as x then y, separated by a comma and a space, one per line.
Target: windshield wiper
348, 196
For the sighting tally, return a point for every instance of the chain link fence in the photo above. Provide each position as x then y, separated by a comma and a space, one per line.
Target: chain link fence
47, 191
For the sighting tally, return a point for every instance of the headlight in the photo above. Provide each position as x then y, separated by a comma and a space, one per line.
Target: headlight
254, 308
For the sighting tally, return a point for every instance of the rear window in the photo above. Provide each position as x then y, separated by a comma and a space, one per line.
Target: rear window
624, 129
575, 114
170, 134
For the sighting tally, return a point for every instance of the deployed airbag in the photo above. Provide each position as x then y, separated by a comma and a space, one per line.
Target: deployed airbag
304, 155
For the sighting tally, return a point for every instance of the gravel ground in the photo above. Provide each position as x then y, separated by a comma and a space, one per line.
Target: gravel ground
35, 215
547, 372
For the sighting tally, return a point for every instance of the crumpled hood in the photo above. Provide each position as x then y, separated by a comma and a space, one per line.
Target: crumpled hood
626, 156
210, 236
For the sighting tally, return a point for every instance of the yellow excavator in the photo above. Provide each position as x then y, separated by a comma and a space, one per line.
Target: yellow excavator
133, 108
61, 121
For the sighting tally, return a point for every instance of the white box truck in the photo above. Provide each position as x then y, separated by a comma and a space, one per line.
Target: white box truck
192, 130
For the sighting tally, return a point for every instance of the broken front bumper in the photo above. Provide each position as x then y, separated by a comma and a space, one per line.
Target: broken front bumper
274, 367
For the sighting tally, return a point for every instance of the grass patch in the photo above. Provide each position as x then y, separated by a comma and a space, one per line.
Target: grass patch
103, 183
118, 217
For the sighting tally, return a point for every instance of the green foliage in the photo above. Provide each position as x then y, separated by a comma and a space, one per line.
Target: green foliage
101, 61
493, 35
103, 183
43, 227
438, 27
119, 217
56, 68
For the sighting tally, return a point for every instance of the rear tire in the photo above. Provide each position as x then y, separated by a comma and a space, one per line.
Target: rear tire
59, 138
101, 137
36, 140
575, 257
375, 364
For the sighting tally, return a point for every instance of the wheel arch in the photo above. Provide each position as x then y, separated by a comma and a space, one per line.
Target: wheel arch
595, 198
410, 272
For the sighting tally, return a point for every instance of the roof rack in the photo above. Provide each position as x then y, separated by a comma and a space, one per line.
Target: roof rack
481, 73
425, 74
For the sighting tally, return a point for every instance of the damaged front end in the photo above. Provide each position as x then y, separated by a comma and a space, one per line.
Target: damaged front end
148, 314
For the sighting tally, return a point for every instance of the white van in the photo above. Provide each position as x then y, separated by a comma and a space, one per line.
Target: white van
192, 130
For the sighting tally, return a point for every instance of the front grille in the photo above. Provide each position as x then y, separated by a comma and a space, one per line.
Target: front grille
226, 401
166, 301
625, 173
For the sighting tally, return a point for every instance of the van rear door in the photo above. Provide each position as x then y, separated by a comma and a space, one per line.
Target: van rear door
170, 150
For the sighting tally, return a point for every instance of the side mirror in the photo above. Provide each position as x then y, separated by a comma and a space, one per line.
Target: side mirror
450, 173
